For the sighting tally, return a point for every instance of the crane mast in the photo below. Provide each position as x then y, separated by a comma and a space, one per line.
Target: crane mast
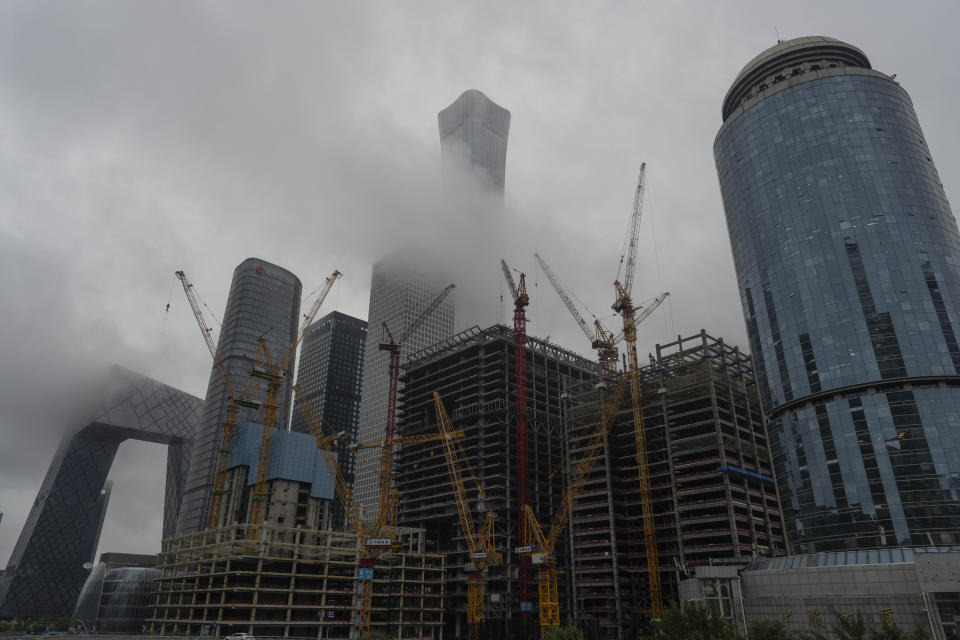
351, 507
482, 546
266, 368
624, 306
520, 301
543, 555
363, 589
386, 500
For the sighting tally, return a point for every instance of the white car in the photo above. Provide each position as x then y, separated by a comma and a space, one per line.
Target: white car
240, 636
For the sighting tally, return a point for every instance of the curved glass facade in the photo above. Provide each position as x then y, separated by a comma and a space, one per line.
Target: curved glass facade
46, 569
116, 600
848, 264
264, 300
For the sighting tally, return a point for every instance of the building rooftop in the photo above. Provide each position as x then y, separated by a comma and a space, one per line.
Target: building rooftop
846, 558
293, 456
476, 335
788, 58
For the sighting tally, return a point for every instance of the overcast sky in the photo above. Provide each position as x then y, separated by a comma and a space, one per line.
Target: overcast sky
138, 138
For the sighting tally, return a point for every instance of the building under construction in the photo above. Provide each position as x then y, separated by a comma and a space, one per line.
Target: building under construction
292, 583
299, 490
474, 373
712, 485
296, 577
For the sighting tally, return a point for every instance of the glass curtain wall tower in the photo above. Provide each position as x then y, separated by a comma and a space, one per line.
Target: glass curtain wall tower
473, 142
399, 293
264, 300
329, 374
848, 264
474, 130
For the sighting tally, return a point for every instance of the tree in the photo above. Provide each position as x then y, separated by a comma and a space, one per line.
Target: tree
564, 633
855, 628
692, 622
770, 630
850, 627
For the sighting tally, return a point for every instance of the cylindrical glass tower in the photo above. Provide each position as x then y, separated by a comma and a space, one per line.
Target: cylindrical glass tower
264, 300
848, 265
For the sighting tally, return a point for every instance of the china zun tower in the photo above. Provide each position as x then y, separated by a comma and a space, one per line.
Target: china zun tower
848, 265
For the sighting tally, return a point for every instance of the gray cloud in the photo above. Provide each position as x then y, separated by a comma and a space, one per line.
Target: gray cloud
140, 138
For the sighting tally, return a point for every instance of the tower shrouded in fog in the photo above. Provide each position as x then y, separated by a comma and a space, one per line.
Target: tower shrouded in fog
473, 133
473, 142
848, 265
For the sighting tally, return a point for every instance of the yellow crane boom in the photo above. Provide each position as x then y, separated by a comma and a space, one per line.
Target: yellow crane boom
543, 554
268, 369
405, 440
482, 545
325, 441
624, 306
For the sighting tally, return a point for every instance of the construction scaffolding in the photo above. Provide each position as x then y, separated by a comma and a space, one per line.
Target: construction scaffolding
298, 583
474, 373
712, 485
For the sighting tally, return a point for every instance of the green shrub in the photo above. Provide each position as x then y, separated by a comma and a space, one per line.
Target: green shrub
564, 633
770, 630
692, 622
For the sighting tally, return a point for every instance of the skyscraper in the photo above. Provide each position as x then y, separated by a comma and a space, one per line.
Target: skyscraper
473, 132
264, 300
848, 264
473, 144
330, 376
46, 569
473, 371
399, 293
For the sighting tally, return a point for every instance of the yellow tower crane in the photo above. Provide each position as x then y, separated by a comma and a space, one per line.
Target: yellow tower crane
325, 442
601, 338
542, 552
624, 306
268, 369
482, 545
405, 440
371, 548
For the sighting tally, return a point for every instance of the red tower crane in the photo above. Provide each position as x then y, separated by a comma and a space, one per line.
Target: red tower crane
520, 302
385, 505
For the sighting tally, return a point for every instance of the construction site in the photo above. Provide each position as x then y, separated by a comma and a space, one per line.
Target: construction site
474, 373
521, 485
712, 487
293, 583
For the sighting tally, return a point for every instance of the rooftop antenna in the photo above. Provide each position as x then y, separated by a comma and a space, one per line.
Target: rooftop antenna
775, 30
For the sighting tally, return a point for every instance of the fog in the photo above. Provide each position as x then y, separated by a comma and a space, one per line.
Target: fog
141, 138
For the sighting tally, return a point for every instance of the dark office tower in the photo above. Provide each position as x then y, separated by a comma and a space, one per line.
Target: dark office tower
848, 263
473, 133
46, 569
330, 375
264, 301
473, 372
